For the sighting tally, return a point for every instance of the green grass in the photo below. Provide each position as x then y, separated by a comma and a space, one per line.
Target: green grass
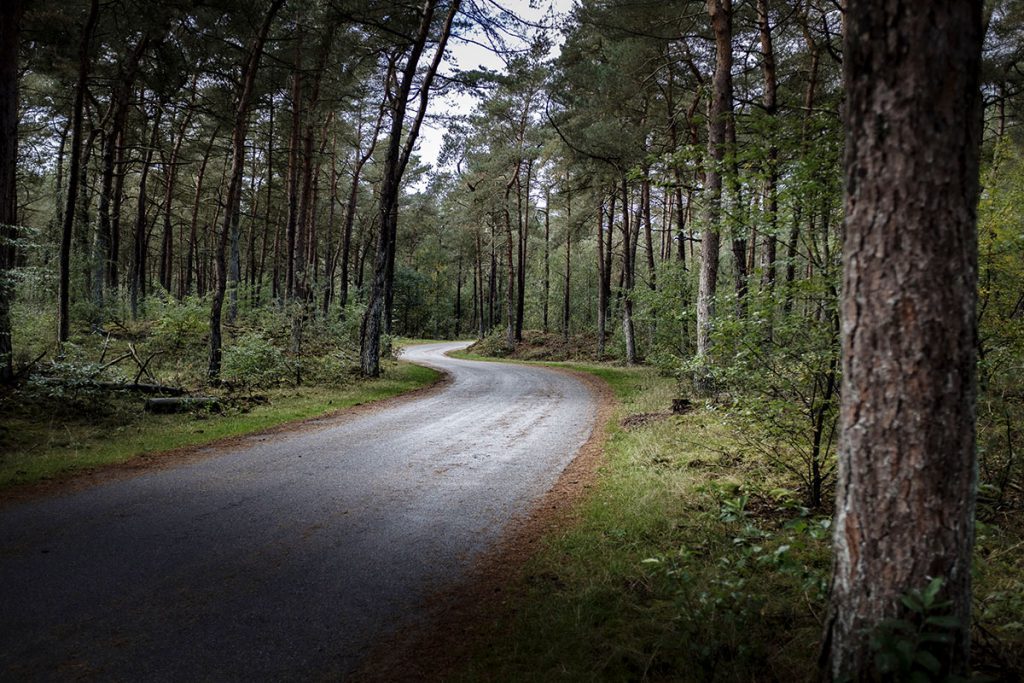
36, 447
693, 560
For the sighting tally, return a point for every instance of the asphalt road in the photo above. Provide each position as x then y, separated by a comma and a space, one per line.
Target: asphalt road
286, 557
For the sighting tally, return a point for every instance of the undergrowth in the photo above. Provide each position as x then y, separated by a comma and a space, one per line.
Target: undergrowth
77, 409
695, 559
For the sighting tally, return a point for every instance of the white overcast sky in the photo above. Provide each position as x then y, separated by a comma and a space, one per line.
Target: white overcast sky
466, 55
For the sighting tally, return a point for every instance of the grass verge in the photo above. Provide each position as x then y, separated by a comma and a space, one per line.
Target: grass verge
38, 447
693, 560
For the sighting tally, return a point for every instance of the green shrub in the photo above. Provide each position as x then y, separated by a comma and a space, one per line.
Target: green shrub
253, 362
181, 325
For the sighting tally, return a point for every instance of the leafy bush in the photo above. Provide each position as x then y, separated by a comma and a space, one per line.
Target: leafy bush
782, 377
181, 325
253, 362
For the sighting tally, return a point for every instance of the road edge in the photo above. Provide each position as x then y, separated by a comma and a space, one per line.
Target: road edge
151, 461
434, 648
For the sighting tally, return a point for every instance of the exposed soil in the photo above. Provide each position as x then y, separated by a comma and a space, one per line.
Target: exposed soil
432, 650
642, 419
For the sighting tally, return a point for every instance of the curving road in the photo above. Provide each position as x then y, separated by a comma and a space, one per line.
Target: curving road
287, 557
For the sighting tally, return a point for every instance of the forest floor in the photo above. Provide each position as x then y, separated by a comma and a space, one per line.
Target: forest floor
690, 556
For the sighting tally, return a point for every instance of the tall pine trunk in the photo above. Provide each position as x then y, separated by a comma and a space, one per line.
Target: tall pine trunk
720, 12
74, 177
395, 162
907, 471
233, 196
10, 23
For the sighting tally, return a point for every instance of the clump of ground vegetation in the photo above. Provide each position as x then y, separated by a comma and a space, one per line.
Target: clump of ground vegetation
540, 346
86, 405
697, 556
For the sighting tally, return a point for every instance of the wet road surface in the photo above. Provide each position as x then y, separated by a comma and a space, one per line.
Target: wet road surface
286, 557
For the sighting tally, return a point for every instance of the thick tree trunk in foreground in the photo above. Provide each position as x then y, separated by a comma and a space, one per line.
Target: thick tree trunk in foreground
10, 20
905, 503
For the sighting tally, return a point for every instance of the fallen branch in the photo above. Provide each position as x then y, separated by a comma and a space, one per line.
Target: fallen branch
142, 365
144, 388
182, 404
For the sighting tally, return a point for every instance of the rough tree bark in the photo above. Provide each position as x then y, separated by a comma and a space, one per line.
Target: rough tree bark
769, 101
233, 194
74, 176
395, 163
720, 12
10, 22
905, 493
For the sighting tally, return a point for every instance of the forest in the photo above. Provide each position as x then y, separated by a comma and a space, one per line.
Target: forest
231, 204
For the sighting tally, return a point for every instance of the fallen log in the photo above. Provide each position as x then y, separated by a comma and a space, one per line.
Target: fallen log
113, 386
182, 404
144, 388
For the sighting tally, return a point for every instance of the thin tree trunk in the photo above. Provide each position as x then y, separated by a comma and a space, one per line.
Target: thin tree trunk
193, 246
293, 173
547, 256
523, 206
510, 291
83, 219
267, 221
567, 298
353, 202
720, 12
907, 473
458, 297
64, 281
628, 269
137, 278
395, 163
104, 268
331, 253
170, 180
793, 242
233, 195
772, 175
120, 170
481, 329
